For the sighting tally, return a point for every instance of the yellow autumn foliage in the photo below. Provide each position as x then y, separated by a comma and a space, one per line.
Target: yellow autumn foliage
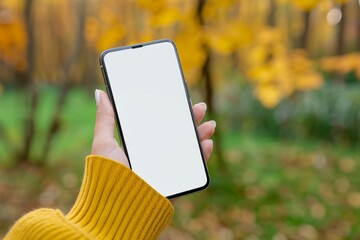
192, 55
92, 30
215, 10
277, 72
304, 72
269, 95
231, 32
105, 31
13, 40
165, 17
228, 37
343, 64
153, 6
342, 1
305, 5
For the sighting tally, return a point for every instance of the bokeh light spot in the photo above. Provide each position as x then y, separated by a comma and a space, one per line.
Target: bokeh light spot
334, 16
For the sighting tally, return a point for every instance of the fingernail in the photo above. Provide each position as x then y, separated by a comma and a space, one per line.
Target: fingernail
213, 123
97, 96
204, 105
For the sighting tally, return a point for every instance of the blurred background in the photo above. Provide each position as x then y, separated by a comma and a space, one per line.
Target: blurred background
281, 77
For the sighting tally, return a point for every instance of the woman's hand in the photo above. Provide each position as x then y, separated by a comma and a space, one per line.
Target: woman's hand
105, 144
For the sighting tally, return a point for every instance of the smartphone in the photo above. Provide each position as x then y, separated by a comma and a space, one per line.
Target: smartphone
153, 109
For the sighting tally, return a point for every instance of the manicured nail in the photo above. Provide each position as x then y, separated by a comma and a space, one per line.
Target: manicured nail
213, 123
204, 105
97, 96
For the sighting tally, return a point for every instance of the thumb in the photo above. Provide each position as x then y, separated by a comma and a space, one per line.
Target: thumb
104, 126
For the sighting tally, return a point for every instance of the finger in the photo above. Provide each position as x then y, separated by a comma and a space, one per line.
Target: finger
206, 130
199, 111
104, 126
207, 147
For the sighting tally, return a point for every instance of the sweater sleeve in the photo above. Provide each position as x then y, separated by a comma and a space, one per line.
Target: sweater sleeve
113, 203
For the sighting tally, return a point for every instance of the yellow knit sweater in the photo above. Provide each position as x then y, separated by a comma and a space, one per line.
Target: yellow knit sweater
113, 203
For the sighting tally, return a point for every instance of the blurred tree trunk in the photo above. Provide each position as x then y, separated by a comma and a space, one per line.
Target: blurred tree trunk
272, 14
209, 88
358, 28
24, 155
303, 41
5, 138
341, 31
91, 67
73, 57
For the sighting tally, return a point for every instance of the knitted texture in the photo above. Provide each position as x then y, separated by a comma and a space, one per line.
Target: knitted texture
113, 203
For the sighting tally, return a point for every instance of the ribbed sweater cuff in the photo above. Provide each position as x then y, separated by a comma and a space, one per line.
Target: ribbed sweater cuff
115, 203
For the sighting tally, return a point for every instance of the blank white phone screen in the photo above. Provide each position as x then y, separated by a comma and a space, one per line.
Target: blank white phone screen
154, 115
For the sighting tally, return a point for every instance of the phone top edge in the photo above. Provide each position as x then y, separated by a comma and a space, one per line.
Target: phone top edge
134, 46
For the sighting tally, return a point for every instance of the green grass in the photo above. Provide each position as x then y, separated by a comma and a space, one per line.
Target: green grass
77, 122
281, 188
267, 188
